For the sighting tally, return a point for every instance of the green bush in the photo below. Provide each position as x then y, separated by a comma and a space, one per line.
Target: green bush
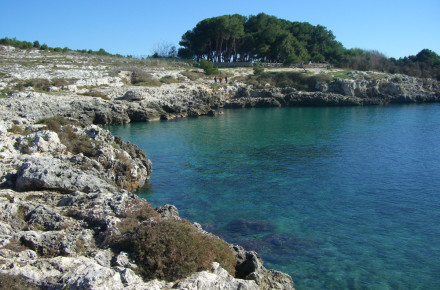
208, 67
258, 70
173, 249
291, 59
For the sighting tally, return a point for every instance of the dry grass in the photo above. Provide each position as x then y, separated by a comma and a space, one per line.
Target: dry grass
193, 75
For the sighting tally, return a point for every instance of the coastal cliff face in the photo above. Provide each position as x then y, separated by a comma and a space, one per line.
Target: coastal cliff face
110, 90
68, 216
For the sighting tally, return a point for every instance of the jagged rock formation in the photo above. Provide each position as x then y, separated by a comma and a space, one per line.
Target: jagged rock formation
356, 91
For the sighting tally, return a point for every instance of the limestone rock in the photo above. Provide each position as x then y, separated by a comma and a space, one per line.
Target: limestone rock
250, 267
216, 278
44, 218
133, 96
54, 174
167, 211
123, 260
41, 142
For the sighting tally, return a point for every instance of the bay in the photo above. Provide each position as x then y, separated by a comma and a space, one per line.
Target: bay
338, 197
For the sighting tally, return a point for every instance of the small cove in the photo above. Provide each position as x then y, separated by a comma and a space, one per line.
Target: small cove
338, 197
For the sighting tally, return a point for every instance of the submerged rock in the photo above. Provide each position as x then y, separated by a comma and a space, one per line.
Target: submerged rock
249, 227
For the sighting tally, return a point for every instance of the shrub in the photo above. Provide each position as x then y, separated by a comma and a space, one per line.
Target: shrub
192, 75
55, 123
134, 213
173, 249
74, 143
41, 84
169, 80
59, 82
15, 129
96, 94
208, 67
15, 245
142, 78
37, 84
258, 70
14, 282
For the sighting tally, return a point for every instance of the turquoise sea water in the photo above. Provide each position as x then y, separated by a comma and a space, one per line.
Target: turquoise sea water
344, 197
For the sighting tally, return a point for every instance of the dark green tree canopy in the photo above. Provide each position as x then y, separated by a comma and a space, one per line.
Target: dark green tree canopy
231, 38
265, 38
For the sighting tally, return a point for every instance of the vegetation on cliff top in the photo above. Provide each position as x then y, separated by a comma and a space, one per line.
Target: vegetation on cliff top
36, 44
264, 38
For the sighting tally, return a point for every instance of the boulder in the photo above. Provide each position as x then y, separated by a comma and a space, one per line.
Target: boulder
167, 211
250, 267
133, 96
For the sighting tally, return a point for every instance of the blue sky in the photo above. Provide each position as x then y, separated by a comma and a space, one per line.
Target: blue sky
134, 27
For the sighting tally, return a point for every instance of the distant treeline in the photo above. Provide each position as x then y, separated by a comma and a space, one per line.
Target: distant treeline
426, 64
36, 44
264, 38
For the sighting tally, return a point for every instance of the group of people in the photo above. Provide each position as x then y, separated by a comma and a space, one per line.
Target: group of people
220, 79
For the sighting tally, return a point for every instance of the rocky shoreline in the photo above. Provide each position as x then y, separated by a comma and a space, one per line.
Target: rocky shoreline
66, 193
66, 184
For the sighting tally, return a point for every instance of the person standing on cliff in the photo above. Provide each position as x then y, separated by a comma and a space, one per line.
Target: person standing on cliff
226, 79
215, 79
220, 79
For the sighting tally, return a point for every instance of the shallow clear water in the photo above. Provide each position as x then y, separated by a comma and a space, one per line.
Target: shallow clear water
342, 197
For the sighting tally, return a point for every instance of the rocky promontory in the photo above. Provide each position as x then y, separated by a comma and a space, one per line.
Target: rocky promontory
69, 217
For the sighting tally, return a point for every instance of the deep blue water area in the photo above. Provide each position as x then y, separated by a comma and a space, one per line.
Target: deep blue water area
338, 197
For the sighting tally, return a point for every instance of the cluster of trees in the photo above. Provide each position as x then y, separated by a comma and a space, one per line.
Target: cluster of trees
232, 38
426, 64
36, 44
264, 38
